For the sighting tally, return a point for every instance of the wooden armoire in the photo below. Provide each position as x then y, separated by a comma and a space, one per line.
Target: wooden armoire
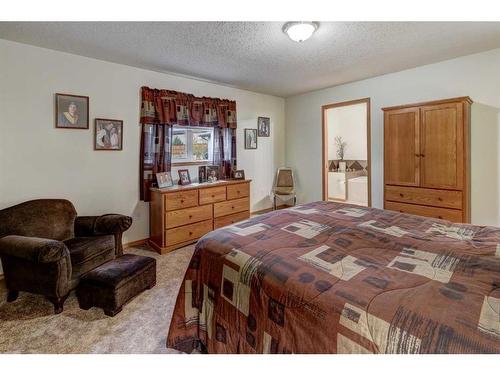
427, 159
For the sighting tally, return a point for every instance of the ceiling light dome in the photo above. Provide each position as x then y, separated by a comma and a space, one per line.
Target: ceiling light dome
300, 31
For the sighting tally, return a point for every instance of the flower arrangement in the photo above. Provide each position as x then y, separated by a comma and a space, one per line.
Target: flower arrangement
341, 146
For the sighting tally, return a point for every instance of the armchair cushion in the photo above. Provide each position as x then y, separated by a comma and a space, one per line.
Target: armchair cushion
34, 249
99, 225
83, 249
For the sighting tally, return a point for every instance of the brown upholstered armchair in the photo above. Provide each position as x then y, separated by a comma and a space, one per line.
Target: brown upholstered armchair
45, 247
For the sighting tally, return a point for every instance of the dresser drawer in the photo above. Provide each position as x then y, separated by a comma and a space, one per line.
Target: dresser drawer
434, 212
181, 199
428, 197
211, 195
187, 216
187, 233
238, 191
231, 207
230, 219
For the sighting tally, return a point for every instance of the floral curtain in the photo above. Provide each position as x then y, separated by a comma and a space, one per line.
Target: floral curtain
161, 109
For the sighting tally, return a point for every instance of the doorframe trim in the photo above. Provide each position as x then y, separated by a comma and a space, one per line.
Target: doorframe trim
324, 127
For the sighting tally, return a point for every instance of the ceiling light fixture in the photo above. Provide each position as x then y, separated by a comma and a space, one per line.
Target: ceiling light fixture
300, 31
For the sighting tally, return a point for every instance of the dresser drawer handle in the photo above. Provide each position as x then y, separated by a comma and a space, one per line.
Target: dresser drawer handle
190, 216
213, 196
440, 217
401, 195
238, 192
190, 233
232, 207
182, 201
440, 199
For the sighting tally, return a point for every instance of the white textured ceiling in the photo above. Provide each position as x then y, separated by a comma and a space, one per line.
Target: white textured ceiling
257, 55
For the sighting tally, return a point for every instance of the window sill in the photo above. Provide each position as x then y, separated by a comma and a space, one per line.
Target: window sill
182, 164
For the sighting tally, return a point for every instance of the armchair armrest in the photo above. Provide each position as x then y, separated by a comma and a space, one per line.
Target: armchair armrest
99, 225
34, 249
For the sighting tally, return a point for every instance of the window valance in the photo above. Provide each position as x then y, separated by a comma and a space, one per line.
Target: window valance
167, 107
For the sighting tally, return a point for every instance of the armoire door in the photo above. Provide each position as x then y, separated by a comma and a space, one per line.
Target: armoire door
442, 146
402, 147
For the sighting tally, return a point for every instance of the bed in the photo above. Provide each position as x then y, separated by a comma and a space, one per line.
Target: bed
326, 277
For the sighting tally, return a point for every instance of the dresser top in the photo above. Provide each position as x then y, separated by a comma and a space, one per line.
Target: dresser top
197, 185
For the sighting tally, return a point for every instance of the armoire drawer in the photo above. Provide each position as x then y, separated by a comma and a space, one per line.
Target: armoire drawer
211, 195
231, 207
187, 233
230, 219
187, 216
427, 197
181, 199
434, 212
238, 191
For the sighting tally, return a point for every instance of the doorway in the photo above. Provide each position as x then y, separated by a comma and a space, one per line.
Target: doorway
346, 152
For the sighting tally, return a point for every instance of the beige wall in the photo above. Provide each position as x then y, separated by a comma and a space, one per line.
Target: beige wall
477, 76
39, 161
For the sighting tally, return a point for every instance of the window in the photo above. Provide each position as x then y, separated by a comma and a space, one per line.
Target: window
192, 144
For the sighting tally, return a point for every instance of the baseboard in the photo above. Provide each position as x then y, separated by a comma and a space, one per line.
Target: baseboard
265, 210
135, 243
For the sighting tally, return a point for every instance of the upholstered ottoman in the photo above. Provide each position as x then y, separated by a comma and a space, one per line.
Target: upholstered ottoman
114, 283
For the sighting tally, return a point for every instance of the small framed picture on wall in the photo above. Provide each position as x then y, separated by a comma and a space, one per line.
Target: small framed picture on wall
251, 139
72, 111
184, 177
108, 135
264, 126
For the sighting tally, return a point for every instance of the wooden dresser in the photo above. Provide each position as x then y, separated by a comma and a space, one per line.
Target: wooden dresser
427, 159
180, 215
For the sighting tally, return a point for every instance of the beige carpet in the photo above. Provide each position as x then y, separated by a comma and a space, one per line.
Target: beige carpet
28, 325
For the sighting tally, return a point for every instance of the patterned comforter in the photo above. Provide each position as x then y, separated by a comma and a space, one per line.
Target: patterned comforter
336, 278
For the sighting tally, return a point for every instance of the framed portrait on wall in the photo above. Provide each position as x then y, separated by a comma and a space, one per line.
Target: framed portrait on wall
108, 134
72, 111
264, 126
251, 139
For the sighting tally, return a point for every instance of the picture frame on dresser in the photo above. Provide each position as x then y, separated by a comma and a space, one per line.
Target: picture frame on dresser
184, 177
239, 174
202, 174
164, 179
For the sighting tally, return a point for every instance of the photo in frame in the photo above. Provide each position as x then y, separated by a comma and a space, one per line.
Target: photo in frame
72, 111
108, 134
202, 174
239, 174
184, 177
264, 127
250, 139
164, 179
213, 173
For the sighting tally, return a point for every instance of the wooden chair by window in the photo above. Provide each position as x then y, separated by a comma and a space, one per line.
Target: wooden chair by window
284, 187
